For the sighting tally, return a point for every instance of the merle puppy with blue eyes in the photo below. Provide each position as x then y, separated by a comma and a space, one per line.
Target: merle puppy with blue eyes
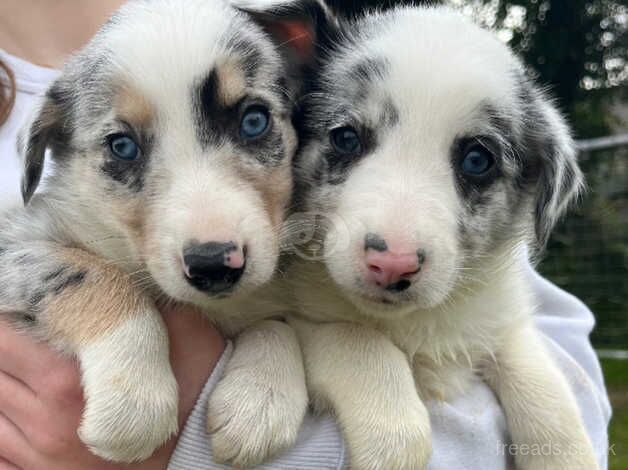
171, 140
436, 166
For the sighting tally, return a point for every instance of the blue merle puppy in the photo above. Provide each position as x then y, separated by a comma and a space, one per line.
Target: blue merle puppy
435, 164
171, 141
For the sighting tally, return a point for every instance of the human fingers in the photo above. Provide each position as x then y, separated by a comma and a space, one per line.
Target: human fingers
195, 347
14, 447
18, 403
6, 465
25, 358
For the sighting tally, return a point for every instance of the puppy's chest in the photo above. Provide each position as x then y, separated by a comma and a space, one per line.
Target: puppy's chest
446, 346
438, 336
445, 359
429, 340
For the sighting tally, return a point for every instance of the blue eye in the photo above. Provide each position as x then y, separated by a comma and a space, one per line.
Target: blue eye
254, 123
345, 141
123, 147
477, 162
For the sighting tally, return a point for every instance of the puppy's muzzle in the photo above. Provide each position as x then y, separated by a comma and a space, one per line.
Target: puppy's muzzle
214, 267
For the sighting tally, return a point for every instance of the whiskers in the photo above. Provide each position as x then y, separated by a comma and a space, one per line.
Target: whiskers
140, 276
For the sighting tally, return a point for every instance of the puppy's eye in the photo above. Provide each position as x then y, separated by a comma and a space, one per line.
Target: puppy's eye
123, 147
478, 161
346, 141
255, 122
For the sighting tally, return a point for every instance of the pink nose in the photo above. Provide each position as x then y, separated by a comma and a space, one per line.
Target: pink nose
235, 259
391, 270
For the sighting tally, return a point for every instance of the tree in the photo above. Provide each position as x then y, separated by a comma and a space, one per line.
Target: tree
580, 48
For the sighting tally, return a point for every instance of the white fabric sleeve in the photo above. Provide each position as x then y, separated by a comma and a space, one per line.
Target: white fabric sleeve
468, 432
319, 445
567, 323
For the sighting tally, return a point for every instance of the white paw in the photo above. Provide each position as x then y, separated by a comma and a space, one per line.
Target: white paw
251, 419
390, 443
127, 423
131, 395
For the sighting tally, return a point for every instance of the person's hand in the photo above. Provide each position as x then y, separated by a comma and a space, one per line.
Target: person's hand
41, 400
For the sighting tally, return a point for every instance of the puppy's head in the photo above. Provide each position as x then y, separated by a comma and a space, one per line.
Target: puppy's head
171, 132
432, 156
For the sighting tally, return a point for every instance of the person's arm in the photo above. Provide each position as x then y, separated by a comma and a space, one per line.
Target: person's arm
41, 400
567, 323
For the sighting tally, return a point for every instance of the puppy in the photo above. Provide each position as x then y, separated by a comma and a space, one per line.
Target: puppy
432, 162
171, 139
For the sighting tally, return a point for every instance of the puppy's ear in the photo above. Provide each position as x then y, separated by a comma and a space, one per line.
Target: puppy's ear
296, 25
47, 129
559, 179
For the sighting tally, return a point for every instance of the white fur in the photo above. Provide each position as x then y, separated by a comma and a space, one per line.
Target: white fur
366, 380
257, 409
130, 391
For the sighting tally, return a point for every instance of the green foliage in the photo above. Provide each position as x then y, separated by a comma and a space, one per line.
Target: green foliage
616, 376
588, 253
580, 48
618, 437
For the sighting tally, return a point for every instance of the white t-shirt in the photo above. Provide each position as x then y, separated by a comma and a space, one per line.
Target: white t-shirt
31, 82
468, 433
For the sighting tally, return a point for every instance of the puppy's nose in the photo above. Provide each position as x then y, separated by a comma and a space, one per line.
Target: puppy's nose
392, 271
213, 267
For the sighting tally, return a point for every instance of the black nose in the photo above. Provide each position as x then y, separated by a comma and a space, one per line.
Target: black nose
214, 267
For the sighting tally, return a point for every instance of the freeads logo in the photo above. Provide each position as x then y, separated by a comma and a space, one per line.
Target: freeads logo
542, 450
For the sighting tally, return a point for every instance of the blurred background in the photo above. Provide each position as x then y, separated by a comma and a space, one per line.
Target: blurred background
580, 49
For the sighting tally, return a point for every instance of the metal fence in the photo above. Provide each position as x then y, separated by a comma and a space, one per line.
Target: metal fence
588, 253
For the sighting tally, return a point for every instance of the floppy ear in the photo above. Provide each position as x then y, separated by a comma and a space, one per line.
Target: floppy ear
46, 129
559, 178
296, 25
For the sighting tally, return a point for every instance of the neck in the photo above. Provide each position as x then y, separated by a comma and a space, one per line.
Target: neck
46, 32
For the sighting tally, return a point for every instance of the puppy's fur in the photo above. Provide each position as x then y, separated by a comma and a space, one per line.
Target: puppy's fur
84, 263
418, 86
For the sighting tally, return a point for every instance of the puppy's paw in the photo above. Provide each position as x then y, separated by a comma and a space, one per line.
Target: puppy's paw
251, 419
131, 394
129, 426
391, 443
